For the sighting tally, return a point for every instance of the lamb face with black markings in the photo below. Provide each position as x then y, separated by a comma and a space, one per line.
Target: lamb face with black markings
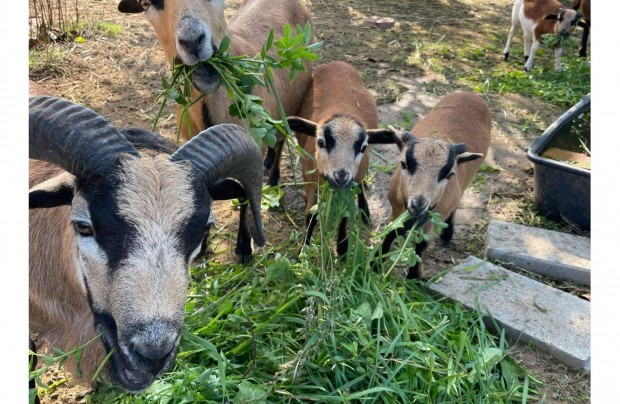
340, 147
425, 167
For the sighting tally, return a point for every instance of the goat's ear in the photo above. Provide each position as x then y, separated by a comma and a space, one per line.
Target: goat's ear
130, 6
302, 125
465, 157
56, 191
462, 155
406, 137
382, 136
226, 189
551, 17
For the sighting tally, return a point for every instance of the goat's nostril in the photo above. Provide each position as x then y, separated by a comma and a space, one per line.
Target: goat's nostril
341, 177
154, 353
154, 356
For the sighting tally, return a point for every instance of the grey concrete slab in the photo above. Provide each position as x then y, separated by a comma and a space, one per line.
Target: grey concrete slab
554, 321
545, 252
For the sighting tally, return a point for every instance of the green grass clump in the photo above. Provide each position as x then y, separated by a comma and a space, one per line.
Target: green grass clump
563, 89
319, 328
108, 28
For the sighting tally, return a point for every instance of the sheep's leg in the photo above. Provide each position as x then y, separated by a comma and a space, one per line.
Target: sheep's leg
33, 366
558, 59
388, 240
416, 271
511, 33
243, 249
274, 168
527, 44
362, 204
310, 223
584, 41
530, 59
448, 232
226, 190
343, 239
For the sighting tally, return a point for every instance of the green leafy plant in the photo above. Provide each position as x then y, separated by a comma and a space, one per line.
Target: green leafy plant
59, 358
322, 328
555, 40
240, 74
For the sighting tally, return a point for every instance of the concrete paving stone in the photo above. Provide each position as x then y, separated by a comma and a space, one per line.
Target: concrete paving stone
545, 252
554, 321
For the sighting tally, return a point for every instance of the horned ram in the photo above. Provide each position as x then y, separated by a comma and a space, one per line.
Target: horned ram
116, 217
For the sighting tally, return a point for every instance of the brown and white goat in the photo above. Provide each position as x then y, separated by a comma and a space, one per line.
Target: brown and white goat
189, 31
438, 160
333, 125
116, 217
585, 10
538, 17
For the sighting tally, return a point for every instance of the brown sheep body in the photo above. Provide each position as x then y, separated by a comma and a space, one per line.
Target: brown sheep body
188, 32
438, 160
538, 17
334, 122
584, 5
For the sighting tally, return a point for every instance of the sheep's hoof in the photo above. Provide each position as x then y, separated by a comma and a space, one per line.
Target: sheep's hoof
415, 272
582, 53
506, 55
244, 258
526, 69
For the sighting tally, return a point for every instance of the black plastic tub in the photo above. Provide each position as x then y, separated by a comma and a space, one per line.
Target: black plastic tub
562, 190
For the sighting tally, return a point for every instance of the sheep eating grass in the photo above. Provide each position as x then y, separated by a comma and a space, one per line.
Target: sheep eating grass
438, 160
539, 17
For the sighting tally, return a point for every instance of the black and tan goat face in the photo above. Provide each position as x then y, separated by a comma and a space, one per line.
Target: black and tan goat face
138, 220
427, 165
566, 21
137, 231
188, 31
341, 144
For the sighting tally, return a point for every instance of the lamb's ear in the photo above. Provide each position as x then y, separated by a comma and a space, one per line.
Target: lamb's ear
462, 155
551, 17
130, 6
382, 136
302, 125
406, 137
56, 191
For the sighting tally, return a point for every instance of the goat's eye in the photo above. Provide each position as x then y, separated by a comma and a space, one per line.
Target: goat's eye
145, 4
403, 165
83, 228
450, 175
321, 143
363, 149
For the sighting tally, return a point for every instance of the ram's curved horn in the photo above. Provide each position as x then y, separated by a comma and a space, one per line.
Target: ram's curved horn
228, 151
73, 137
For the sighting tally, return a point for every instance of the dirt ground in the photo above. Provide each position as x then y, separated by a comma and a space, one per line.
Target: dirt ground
120, 76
